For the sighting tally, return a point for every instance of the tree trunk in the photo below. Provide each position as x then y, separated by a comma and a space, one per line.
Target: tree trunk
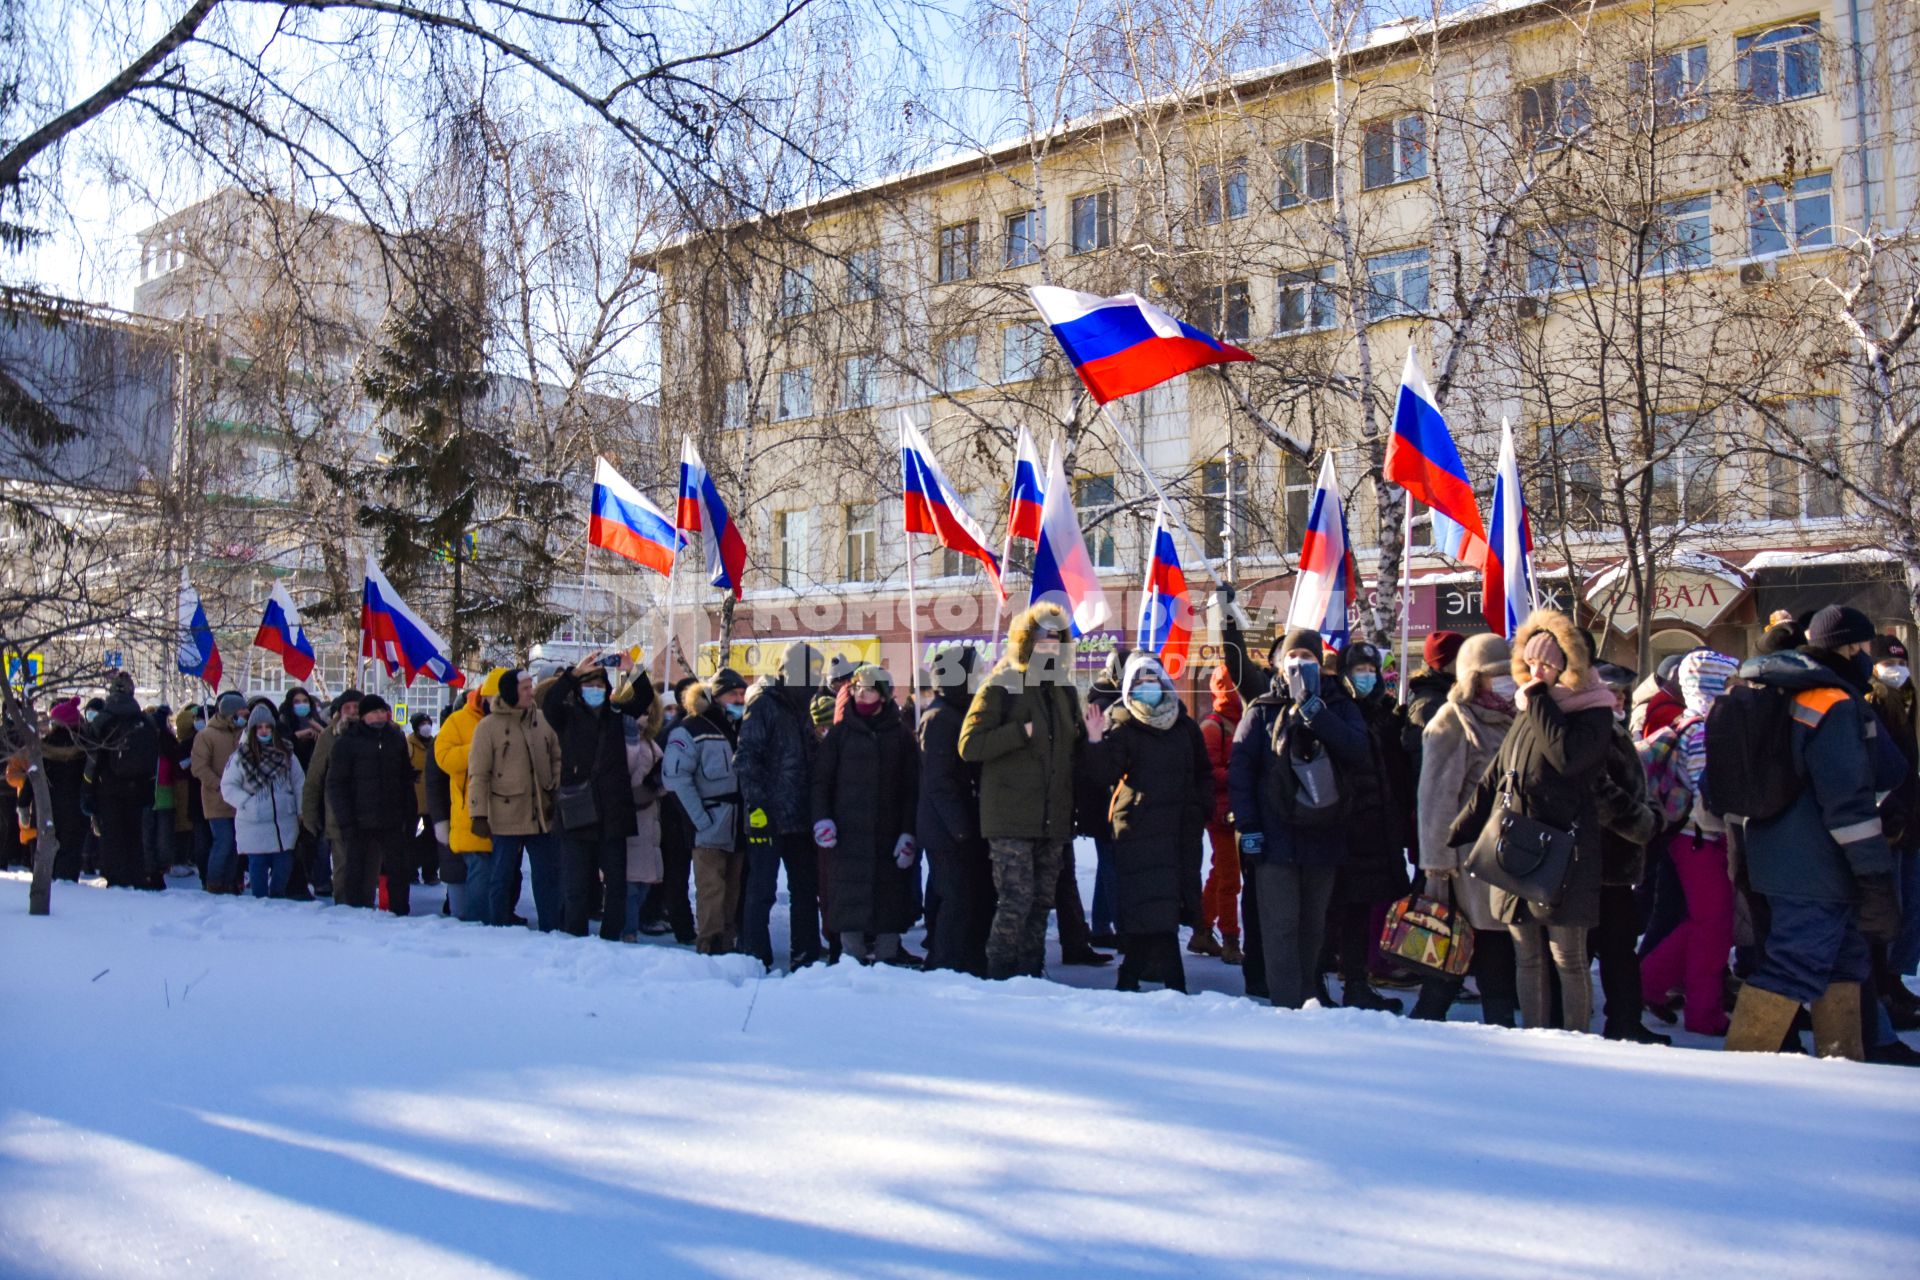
46, 845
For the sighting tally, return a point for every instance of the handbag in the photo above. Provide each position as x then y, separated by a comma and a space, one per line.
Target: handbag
1427, 934
578, 808
1522, 855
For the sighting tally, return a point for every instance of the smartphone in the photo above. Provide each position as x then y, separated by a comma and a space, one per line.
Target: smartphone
611, 661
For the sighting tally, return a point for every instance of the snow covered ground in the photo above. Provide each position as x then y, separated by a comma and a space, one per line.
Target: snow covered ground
199, 1086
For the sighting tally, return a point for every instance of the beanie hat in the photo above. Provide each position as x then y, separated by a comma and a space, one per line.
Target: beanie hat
821, 709
726, 680
1542, 647
420, 718
509, 689
1838, 625
1780, 637
342, 698
1300, 638
230, 703
1359, 654
1441, 648
1703, 678
66, 713
868, 676
374, 702
261, 714
1886, 648
490, 687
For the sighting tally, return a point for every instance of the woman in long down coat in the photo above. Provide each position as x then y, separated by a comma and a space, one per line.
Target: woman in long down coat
1154, 757
866, 786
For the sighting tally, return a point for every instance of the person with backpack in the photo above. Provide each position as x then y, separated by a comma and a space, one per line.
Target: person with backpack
1289, 780
1693, 958
1793, 757
1379, 828
263, 783
1220, 899
1548, 773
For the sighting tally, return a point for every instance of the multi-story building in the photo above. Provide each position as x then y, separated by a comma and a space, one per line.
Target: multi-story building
1604, 223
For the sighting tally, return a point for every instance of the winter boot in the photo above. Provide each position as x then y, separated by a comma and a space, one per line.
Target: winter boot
1760, 1021
1230, 951
1836, 1023
1203, 943
1903, 1007
1361, 995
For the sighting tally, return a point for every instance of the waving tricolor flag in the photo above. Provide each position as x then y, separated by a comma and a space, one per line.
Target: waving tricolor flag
1422, 459
1126, 344
1166, 613
701, 511
280, 632
1063, 572
624, 522
1328, 578
199, 653
398, 638
933, 507
1506, 593
1023, 510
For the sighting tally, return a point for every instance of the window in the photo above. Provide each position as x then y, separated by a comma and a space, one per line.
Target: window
1393, 151
1781, 63
1022, 346
739, 304
1686, 469
796, 292
857, 381
1554, 111
1306, 172
1799, 216
1304, 301
1564, 257
1578, 497
734, 407
863, 542
1229, 312
1026, 237
960, 362
958, 244
1092, 221
1678, 88
1396, 284
1296, 500
863, 275
1797, 490
1213, 507
1223, 196
790, 549
1093, 498
1679, 237
796, 393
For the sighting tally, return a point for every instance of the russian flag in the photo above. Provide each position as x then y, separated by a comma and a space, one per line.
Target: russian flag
1023, 513
399, 638
624, 522
1328, 579
280, 632
1126, 344
1063, 572
1422, 459
199, 653
1166, 612
933, 507
701, 511
1506, 594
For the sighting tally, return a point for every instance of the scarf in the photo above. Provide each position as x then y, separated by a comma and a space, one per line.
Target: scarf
1589, 695
1159, 717
261, 767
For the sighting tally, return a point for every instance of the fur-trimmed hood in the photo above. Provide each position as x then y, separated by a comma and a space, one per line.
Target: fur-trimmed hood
696, 698
1561, 628
1025, 630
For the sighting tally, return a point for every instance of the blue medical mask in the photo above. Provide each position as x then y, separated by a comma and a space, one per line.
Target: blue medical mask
302, 709
593, 695
734, 710
1149, 695
199, 722
1365, 682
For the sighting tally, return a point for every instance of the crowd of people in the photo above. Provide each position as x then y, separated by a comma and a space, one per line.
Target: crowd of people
1736, 845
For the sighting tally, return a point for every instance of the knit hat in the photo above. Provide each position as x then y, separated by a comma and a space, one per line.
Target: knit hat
420, 718
840, 668
868, 676
1441, 648
1703, 678
342, 698
1542, 647
1886, 648
1299, 638
230, 703
821, 709
374, 702
1838, 625
726, 680
66, 713
261, 714
1359, 654
490, 687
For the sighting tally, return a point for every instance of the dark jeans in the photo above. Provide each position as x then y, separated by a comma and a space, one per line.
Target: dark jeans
1810, 946
960, 906
671, 900
1068, 910
123, 845
594, 883
1151, 957
1293, 919
1613, 942
1662, 900
357, 860
1494, 973
503, 887
1253, 956
1103, 888
399, 855
794, 850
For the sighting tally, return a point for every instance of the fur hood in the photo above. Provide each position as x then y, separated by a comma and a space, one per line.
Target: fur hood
1024, 633
696, 698
1560, 627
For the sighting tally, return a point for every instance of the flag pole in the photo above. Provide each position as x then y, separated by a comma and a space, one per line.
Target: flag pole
913, 595
1406, 588
1141, 463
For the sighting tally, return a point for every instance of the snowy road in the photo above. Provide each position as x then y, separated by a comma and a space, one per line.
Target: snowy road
217, 1087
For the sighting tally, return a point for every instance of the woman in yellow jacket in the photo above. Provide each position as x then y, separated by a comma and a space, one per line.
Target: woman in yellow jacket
451, 748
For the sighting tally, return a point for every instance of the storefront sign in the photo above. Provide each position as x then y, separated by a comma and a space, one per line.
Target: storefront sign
1457, 605
1696, 597
753, 658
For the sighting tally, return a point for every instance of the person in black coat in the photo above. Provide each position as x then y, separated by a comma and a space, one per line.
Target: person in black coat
66, 765
1379, 827
370, 792
866, 785
961, 899
1153, 756
121, 772
590, 720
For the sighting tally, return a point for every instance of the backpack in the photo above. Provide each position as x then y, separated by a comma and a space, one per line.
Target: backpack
1751, 771
1300, 782
1669, 793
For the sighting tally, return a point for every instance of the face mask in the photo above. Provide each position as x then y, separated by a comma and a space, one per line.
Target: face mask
593, 695
1148, 695
426, 732
199, 722
1504, 686
734, 710
1893, 673
92, 716
302, 710
1365, 682
378, 722
264, 733
1863, 663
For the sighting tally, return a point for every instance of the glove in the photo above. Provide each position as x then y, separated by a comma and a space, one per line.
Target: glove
825, 834
1252, 845
482, 828
442, 830
904, 852
757, 820
1879, 907
1312, 707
